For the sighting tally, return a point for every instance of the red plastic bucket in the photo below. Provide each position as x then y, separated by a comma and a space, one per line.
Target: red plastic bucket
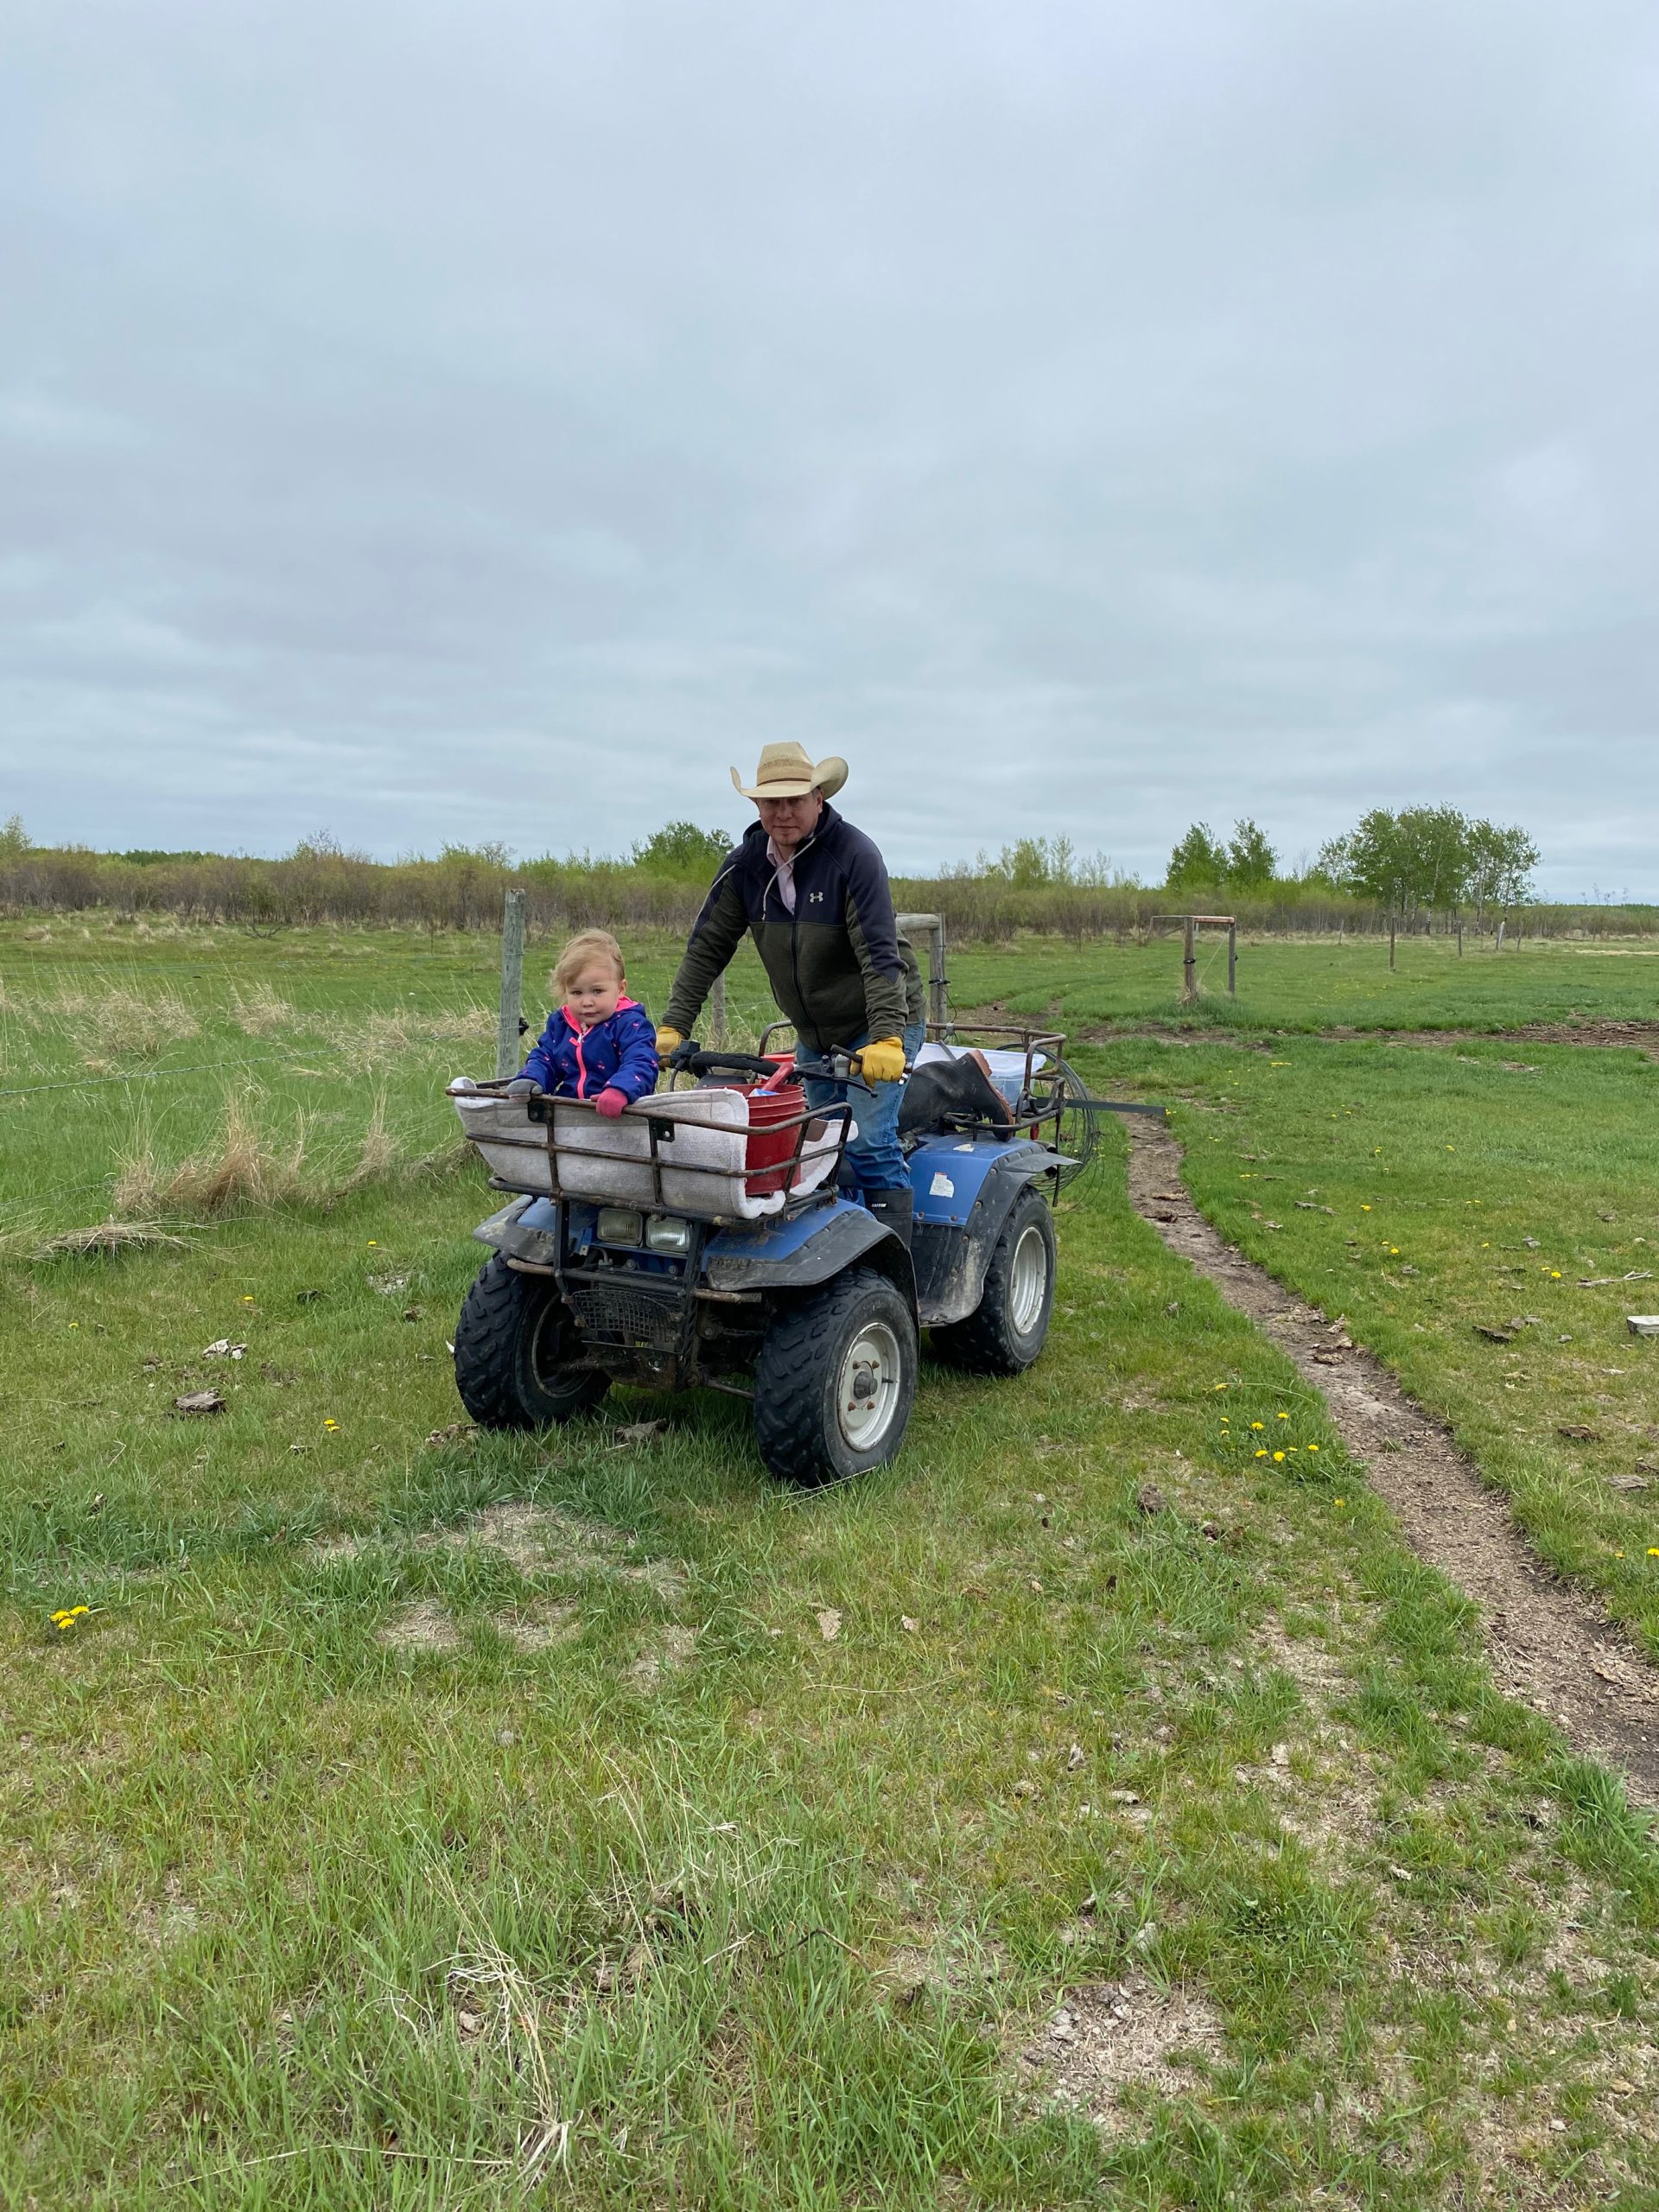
771, 1151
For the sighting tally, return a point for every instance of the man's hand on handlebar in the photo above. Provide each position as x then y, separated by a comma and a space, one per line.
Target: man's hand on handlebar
882, 1061
669, 1042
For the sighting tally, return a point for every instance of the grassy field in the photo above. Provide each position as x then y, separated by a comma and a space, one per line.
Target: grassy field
1475, 1216
1317, 984
1082, 1811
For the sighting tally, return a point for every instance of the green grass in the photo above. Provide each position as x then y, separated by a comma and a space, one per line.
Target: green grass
627, 1886
321, 1031
1428, 1193
1318, 983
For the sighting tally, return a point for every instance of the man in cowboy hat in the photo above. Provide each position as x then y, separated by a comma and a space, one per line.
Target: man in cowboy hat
812, 891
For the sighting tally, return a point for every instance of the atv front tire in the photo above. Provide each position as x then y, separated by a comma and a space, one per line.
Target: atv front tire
1009, 1326
835, 1380
514, 1346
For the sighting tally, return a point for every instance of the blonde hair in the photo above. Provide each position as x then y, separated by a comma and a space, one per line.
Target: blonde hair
583, 950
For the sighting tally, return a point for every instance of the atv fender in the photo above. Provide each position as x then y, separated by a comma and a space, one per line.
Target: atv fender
526, 1228
950, 1260
806, 1249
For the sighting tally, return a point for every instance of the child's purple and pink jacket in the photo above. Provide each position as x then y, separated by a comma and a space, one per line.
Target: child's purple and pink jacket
617, 1054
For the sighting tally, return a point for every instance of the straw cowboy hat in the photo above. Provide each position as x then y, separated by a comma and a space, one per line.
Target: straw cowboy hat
787, 772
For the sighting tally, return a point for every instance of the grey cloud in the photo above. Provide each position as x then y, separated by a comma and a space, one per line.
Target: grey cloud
490, 422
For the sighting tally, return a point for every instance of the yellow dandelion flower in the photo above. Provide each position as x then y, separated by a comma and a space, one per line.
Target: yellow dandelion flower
1341, 1501
1258, 1424
1262, 1453
1284, 1416
1365, 1209
1278, 1455
1555, 1275
1313, 1447
1653, 1551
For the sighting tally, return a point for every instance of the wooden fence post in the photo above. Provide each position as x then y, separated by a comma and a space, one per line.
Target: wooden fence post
1391, 938
717, 1012
1189, 960
507, 1055
1232, 960
932, 925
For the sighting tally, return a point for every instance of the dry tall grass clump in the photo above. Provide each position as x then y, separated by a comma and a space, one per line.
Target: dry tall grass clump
116, 1024
378, 1039
103, 1238
249, 1167
245, 1167
378, 1155
262, 1012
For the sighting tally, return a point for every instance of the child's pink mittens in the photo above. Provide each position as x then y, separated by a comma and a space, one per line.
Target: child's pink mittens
611, 1103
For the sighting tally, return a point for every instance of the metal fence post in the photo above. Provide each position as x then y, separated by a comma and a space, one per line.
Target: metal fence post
512, 984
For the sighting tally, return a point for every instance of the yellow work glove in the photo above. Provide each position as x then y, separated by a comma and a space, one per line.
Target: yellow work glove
881, 1062
668, 1040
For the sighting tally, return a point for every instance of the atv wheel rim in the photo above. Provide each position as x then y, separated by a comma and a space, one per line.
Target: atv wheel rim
1028, 1281
545, 1344
867, 1387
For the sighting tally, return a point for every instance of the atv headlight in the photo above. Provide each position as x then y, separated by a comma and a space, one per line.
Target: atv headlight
618, 1225
664, 1234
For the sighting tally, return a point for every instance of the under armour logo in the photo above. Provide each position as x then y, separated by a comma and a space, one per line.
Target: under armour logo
815, 897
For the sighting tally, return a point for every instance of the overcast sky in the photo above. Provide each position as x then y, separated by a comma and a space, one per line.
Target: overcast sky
450, 422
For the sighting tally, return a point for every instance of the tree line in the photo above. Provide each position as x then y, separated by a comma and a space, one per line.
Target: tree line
1389, 869
1421, 861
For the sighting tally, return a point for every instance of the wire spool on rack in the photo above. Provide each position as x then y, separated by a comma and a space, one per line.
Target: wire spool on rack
1079, 1122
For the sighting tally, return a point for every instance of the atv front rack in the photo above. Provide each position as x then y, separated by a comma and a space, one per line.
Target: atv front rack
795, 1144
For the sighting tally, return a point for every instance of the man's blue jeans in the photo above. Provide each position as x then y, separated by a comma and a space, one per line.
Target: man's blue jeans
873, 1156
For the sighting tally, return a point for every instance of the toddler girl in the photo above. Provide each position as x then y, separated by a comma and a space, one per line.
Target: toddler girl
600, 1044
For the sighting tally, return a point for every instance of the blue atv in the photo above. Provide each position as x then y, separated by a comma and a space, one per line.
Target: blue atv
639, 1251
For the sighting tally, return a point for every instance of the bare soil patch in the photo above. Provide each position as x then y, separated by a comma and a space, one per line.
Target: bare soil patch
1550, 1646
423, 1626
542, 1626
672, 1651
533, 1538
1110, 2036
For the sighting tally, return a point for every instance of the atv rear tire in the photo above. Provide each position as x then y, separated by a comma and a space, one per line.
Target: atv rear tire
1009, 1326
835, 1380
514, 1347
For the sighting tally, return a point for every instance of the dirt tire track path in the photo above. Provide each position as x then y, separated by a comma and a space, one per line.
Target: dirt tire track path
1550, 1646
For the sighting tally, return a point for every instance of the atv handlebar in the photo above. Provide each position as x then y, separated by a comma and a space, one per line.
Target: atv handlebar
690, 1059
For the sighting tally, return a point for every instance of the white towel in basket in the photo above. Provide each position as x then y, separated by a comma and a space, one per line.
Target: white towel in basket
703, 1164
